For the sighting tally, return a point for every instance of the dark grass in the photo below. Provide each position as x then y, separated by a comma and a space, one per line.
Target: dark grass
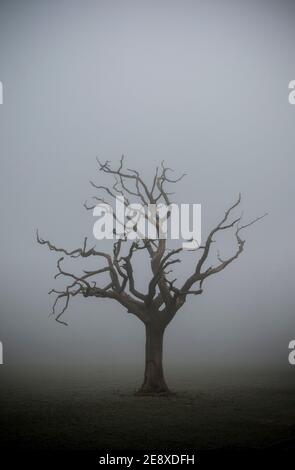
95, 408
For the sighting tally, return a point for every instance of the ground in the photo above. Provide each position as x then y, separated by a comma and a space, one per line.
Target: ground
95, 408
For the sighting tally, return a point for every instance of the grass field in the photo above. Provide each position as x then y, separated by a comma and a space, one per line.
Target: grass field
95, 408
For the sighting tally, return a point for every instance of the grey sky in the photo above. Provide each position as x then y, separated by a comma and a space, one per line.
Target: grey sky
202, 85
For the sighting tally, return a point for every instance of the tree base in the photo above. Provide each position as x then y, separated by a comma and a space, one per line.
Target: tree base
146, 390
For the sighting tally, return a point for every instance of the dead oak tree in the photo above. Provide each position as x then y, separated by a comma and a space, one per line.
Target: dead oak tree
157, 306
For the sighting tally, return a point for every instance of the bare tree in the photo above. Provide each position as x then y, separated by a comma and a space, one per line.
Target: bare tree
163, 298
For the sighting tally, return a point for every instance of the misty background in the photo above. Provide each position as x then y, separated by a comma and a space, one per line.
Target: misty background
202, 85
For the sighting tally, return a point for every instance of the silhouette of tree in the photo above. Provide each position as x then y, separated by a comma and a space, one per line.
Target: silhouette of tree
163, 298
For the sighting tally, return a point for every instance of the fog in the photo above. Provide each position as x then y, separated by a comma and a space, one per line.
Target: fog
201, 85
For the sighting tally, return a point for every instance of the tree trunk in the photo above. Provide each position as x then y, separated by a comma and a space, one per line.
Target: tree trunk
154, 382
